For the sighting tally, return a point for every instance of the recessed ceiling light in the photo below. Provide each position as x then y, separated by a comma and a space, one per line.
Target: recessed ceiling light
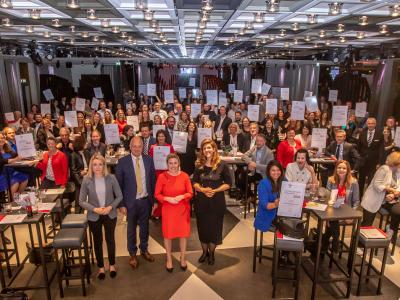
6, 22
34, 13
335, 8
205, 17
327, 42
322, 33
282, 32
47, 34
363, 20
29, 28
103, 42
360, 35
340, 28
72, 41
312, 19
383, 29
5, 4
272, 6
259, 17
85, 34
295, 26
394, 10
73, 4
56, 23
115, 29
202, 25
61, 38
148, 15
105, 23
91, 14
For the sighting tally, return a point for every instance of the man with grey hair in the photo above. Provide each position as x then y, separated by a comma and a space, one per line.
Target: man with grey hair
234, 138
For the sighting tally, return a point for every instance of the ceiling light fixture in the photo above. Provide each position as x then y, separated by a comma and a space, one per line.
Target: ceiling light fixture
105, 23
242, 31
72, 41
115, 29
363, 21
47, 34
259, 17
124, 34
202, 25
340, 28
158, 30
153, 23
85, 34
360, 35
29, 29
312, 19
282, 32
103, 42
204, 17
148, 15
322, 33
5, 4
296, 41
394, 10
34, 13
91, 14
72, 28
6, 22
307, 38
61, 38
295, 26
95, 38
207, 5
327, 42
249, 25
335, 8
272, 6
383, 29
342, 39
73, 4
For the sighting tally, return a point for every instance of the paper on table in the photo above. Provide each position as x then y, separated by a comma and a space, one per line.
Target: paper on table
80, 104
45, 108
271, 106
157, 128
13, 219
46, 207
231, 88
339, 115
9, 116
160, 154
169, 96
291, 199
25, 145
71, 119
179, 141
238, 96
256, 86
372, 233
212, 97
195, 109
333, 94
361, 109
48, 94
298, 109
112, 134
253, 112
98, 93
202, 134
151, 89
51, 192
133, 121
316, 206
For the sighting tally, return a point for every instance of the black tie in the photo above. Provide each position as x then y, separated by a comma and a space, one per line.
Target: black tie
337, 151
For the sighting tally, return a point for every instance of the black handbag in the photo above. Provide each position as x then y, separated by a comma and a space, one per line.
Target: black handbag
294, 228
11, 294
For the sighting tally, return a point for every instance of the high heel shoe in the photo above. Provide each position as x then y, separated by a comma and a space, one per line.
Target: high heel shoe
183, 268
101, 275
211, 259
203, 257
169, 270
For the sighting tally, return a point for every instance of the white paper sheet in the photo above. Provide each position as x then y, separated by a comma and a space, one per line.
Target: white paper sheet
318, 138
179, 141
95, 103
202, 134
80, 104
253, 112
192, 81
133, 121
311, 103
182, 93
151, 89
46, 207
45, 108
339, 115
397, 137
265, 89
98, 93
333, 94
169, 96
195, 110
222, 101
285, 93
160, 157
212, 97
361, 109
71, 119
157, 128
9, 116
298, 109
143, 89
291, 199
111, 133
238, 96
13, 219
231, 88
256, 86
271, 106
48, 94
25, 145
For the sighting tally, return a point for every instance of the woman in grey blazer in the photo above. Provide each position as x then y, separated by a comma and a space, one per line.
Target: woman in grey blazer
100, 195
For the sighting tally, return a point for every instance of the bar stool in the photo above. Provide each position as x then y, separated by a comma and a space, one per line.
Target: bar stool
258, 249
371, 244
292, 246
383, 214
343, 248
71, 239
57, 212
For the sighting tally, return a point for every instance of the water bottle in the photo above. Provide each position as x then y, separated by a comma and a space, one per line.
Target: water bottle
28, 208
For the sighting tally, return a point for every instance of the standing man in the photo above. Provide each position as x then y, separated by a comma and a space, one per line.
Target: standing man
147, 138
137, 178
370, 144
222, 123
170, 129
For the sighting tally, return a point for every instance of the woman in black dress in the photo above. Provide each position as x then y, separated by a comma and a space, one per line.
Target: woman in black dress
211, 179
189, 156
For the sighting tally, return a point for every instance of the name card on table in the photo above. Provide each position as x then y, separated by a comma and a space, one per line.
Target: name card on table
339, 115
143, 89
98, 93
253, 112
25, 145
169, 96
256, 86
212, 97
291, 199
238, 96
333, 94
133, 121
202, 134
80, 104
157, 128
112, 134
285, 93
195, 110
307, 94
160, 157
222, 101
298, 109
192, 81
48, 94
182, 93
151, 89
361, 109
318, 138
179, 141
231, 88
397, 137
45, 108
71, 119
265, 89
311, 103
95, 103
271, 106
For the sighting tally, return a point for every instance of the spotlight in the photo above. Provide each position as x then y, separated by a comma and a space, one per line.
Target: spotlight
34, 13
312, 19
148, 15
340, 28
91, 14
105, 23
56, 23
6, 22
383, 29
73, 4
363, 21
335, 8
272, 6
5, 4
259, 17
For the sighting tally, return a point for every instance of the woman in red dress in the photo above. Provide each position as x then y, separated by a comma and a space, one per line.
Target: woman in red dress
120, 120
288, 148
174, 191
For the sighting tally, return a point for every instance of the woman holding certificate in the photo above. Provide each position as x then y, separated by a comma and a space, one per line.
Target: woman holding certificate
174, 191
211, 179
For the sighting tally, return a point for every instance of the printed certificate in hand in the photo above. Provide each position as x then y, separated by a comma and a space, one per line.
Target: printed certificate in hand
238, 96
298, 109
318, 138
182, 93
339, 115
212, 97
192, 81
95, 103
311, 103
285, 93
151, 89
231, 88
291, 199
333, 94
271, 106
80, 104
307, 94
157, 128
256, 86
169, 96
361, 109
160, 157
25, 145
222, 99
397, 137
202, 134
71, 119
48, 94
9, 116
179, 141
112, 134
45, 109
195, 109
143, 89
253, 112
265, 89
98, 93
133, 121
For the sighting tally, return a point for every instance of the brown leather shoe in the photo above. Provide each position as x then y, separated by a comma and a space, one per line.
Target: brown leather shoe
147, 256
133, 262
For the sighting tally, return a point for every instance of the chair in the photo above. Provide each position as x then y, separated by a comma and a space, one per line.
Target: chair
258, 249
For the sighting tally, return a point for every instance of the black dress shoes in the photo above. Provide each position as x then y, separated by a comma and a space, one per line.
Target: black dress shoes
203, 257
211, 259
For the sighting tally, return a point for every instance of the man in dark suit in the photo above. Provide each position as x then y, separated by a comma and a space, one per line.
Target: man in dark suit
233, 139
137, 178
147, 138
222, 122
169, 129
370, 144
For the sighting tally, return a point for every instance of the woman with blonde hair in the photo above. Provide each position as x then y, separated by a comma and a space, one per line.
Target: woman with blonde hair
211, 179
120, 120
100, 195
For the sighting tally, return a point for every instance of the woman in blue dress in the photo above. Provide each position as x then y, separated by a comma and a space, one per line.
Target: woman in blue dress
9, 176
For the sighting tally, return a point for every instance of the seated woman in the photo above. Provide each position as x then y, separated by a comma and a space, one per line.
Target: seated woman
300, 170
348, 191
127, 133
383, 190
287, 148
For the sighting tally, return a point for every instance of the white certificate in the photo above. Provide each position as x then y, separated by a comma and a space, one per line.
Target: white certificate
339, 115
212, 97
271, 106
298, 109
253, 112
307, 94
45, 108
9, 116
195, 93
195, 110
112, 134
95, 103
143, 89
222, 101
133, 121
397, 137
25, 145
160, 157
192, 81
291, 199
311, 103
238, 96
318, 138
98, 93
169, 96
157, 128
202, 134
48, 94
71, 119
256, 86
179, 141
182, 93
333, 94
284, 93
361, 109
80, 104
231, 88
151, 89
265, 88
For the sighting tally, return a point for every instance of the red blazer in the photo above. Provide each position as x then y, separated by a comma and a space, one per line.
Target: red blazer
285, 153
121, 125
59, 163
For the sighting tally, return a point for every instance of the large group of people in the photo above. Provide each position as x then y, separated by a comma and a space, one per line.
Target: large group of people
275, 148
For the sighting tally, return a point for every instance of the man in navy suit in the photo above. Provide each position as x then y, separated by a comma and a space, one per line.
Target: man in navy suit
137, 178
147, 139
